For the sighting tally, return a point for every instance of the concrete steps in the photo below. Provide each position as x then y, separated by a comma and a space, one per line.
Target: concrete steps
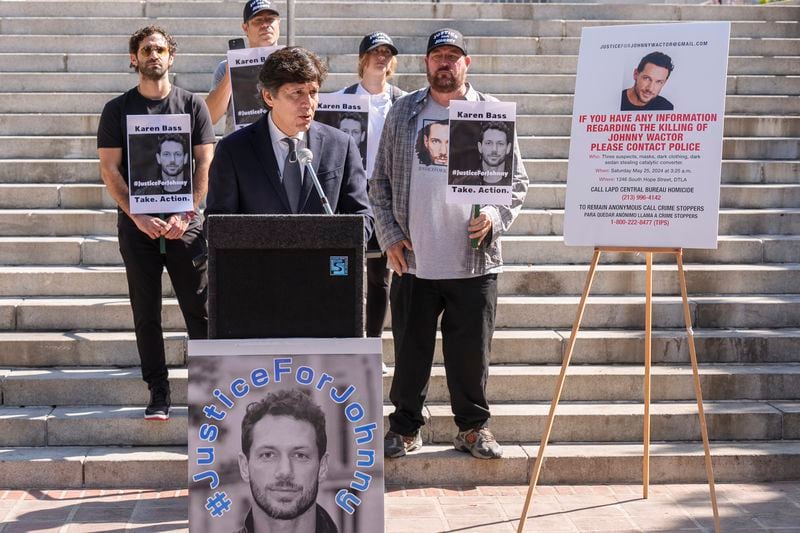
539, 171
95, 425
726, 279
79, 348
27, 124
342, 63
530, 103
407, 24
508, 383
550, 249
83, 466
84, 386
544, 147
85, 147
525, 346
623, 421
53, 196
784, 221
520, 249
53, 222
69, 281
165, 467
540, 196
600, 463
421, 9
68, 250
114, 425
742, 196
67, 222
613, 383
69, 382
33, 82
754, 311
717, 311
335, 45
515, 346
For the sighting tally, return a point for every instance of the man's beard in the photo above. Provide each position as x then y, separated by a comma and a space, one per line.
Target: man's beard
172, 173
493, 160
642, 96
307, 499
444, 80
153, 72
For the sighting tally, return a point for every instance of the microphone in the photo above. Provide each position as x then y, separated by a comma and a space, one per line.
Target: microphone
305, 157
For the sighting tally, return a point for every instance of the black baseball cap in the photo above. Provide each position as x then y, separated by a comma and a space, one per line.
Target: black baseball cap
253, 7
374, 40
446, 37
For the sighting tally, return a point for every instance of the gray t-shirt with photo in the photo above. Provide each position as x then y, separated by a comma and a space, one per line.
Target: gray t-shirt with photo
438, 229
219, 73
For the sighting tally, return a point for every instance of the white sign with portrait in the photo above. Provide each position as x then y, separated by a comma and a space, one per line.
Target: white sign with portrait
285, 431
160, 163
481, 159
244, 65
645, 152
348, 113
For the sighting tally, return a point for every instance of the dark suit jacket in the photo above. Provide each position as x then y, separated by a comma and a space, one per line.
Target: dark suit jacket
244, 176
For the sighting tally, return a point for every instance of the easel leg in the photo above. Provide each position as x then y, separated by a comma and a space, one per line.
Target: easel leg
697, 391
537, 467
648, 342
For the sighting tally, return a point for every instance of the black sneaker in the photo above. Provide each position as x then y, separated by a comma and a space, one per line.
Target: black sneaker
158, 408
397, 445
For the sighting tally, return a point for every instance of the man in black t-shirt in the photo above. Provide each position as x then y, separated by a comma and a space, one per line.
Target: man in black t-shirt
649, 77
148, 243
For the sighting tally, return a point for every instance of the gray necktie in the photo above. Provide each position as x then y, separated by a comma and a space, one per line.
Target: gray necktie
292, 176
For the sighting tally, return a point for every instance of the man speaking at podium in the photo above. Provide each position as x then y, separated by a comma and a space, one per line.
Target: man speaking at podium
256, 170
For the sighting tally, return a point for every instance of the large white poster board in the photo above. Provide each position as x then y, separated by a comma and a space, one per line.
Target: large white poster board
348, 113
160, 163
284, 430
480, 163
646, 143
244, 65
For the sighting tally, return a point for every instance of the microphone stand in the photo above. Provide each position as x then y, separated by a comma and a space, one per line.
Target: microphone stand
305, 157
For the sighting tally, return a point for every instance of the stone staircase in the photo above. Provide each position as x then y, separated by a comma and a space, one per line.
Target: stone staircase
72, 399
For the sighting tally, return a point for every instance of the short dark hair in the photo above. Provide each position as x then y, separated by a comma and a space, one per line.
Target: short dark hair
295, 403
351, 116
173, 137
291, 65
140, 35
659, 59
422, 152
496, 125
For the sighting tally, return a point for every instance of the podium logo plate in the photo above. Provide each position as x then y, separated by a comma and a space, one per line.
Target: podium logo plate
339, 265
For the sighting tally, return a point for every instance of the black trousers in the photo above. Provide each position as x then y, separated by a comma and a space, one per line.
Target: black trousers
468, 308
186, 262
377, 295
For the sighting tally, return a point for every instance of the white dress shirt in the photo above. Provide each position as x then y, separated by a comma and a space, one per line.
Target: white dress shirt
280, 148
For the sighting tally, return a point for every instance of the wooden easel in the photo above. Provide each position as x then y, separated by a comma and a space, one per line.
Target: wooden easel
678, 253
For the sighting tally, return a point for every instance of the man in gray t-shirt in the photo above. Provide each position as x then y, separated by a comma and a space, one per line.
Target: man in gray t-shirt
262, 27
436, 271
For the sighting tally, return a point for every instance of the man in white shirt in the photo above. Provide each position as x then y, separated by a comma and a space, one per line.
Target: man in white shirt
377, 62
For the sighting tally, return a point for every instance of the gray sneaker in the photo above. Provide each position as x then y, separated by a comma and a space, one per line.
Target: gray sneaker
397, 445
479, 442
